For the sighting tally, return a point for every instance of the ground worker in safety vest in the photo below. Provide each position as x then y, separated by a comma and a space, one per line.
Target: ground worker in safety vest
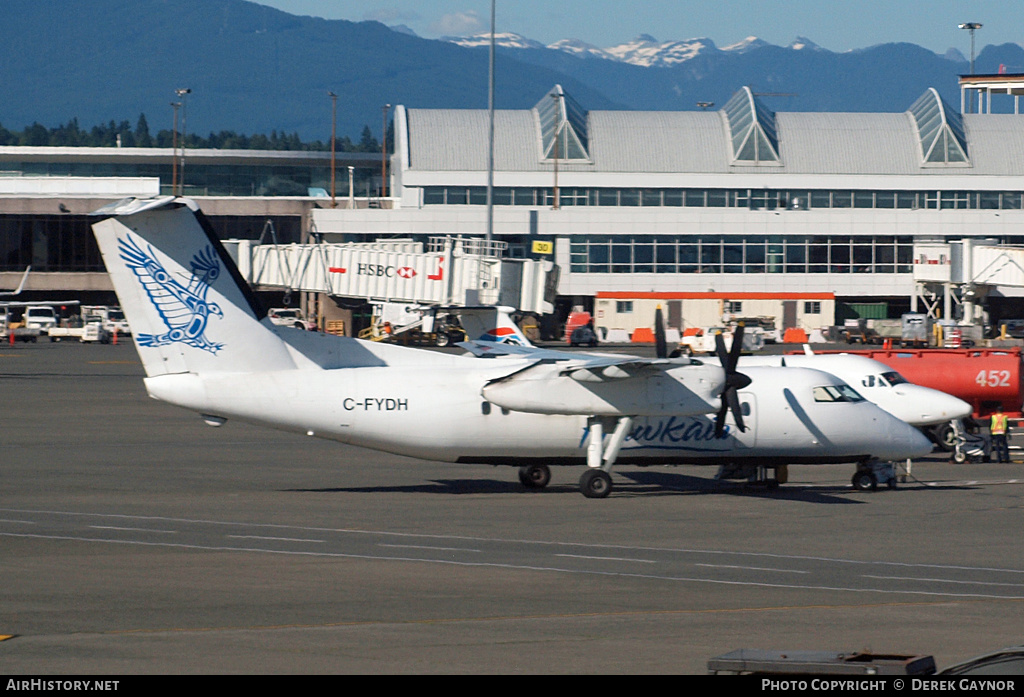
999, 428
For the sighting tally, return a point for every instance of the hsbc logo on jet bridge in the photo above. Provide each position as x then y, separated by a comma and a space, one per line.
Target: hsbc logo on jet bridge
385, 271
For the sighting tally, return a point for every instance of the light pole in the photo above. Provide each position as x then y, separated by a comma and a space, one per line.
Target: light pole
971, 27
490, 134
334, 130
174, 144
558, 133
384, 154
351, 187
182, 93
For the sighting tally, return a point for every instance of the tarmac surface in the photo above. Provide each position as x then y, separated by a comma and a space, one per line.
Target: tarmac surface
134, 539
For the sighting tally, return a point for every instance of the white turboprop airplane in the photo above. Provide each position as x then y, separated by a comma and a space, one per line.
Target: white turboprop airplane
207, 347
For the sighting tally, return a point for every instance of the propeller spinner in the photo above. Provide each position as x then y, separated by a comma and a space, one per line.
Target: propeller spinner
734, 381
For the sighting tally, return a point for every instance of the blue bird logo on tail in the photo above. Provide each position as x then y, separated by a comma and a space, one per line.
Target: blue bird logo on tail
183, 308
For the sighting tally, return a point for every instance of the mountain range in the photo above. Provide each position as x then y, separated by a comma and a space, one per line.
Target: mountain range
255, 69
644, 50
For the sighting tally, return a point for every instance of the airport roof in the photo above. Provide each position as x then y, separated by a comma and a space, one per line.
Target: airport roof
744, 136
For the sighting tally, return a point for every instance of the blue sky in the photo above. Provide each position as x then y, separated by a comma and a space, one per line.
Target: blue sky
837, 26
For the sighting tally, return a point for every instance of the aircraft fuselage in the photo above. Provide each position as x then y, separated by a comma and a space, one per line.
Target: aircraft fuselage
439, 414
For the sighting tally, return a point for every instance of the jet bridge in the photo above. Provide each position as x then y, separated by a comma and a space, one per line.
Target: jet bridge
963, 272
450, 271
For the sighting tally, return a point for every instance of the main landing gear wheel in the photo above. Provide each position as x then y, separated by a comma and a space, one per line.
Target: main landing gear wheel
595, 484
864, 481
535, 476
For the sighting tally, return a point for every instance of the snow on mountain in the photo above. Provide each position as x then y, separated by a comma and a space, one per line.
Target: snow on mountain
647, 51
801, 43
581, 49
749, 43
644, 50
504, 39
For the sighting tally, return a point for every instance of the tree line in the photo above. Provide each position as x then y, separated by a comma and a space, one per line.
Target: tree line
112, 135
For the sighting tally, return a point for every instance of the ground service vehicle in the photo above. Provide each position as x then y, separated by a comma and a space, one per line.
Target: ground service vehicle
290, 317
93, 331
112, 319
40, 317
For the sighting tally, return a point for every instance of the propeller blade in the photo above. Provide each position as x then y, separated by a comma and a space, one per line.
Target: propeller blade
736, 348
734, 381
720, 418
734, 405
723, 356
661, 347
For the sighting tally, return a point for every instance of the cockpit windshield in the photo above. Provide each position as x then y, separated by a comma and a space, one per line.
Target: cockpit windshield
836, 393
894, 378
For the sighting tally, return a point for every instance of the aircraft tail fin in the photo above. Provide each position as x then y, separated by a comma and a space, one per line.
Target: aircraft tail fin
188, 307
492, 323
21, 286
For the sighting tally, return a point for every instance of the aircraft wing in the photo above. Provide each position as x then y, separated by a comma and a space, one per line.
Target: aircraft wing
37, 303
562, 382
490, 349
584, 367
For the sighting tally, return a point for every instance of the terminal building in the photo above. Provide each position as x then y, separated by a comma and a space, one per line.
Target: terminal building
821, 210
47, 193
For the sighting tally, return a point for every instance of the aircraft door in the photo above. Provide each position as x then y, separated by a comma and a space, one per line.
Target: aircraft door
748, 407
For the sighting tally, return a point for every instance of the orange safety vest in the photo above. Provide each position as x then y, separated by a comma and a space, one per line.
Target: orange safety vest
998, 427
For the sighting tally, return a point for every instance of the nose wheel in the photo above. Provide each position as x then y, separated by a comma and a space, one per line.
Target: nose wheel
864, 481
596, 483
872, 473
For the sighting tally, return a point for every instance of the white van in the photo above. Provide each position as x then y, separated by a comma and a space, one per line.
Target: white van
40, 317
